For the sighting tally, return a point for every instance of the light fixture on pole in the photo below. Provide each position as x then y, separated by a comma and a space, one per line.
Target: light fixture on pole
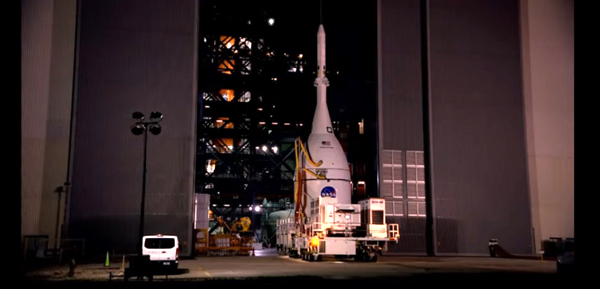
139, 128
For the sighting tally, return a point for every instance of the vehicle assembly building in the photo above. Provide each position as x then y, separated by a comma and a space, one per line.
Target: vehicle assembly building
457, 114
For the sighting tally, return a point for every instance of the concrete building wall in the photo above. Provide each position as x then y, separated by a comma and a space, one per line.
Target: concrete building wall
479, 160
548, 73
400, 102
476, 122
134, 55
48, 45
401, 105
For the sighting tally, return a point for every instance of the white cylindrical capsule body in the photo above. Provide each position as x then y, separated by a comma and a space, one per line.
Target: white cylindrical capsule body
323, 146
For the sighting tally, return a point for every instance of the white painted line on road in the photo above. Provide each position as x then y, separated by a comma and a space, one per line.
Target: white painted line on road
206, 273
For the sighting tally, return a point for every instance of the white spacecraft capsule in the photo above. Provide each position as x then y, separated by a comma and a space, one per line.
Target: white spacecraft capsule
323, 146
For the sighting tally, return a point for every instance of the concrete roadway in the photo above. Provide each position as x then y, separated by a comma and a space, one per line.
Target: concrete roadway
269, 268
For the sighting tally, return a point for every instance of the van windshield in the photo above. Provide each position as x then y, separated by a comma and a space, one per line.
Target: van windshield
159, 243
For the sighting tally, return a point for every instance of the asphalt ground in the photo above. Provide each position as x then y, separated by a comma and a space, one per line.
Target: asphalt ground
269, 269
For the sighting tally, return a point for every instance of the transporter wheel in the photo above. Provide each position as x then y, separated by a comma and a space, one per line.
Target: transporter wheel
319, 258
361, 255
373, 258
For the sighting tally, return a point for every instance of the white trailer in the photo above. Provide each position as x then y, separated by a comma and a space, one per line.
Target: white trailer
356, 231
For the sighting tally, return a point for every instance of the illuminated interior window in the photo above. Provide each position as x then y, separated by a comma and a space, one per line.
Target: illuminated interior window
245, 97
361, 126
223, 122
361, 188
210, 165
244, 146
227, 94
247, 67
224, 145
245, 44
226, 66
228, 41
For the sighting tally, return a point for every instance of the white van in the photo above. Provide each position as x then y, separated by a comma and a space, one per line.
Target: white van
162, 249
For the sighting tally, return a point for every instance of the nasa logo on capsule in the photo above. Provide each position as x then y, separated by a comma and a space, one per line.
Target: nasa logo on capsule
328, 192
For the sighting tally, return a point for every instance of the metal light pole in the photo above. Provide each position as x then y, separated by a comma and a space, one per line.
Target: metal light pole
59, 191
141, 127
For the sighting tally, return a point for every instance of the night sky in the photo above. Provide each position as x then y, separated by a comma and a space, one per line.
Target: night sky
351, 50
